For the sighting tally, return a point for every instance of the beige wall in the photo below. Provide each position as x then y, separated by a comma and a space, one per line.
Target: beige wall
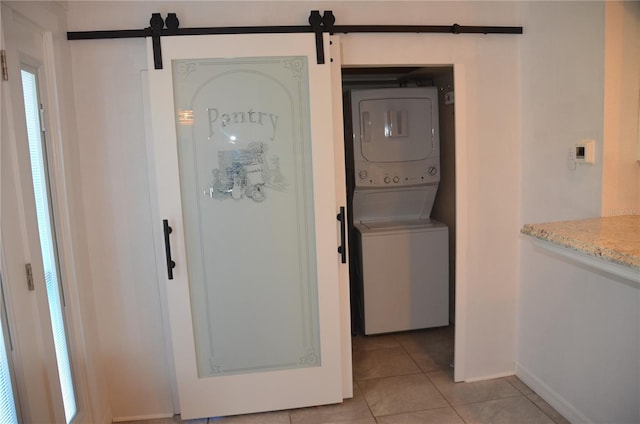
119, 220
562, 68
573, 322
579, 338
621, 156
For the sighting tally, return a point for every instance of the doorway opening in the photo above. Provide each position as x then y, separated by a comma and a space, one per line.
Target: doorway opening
444, 205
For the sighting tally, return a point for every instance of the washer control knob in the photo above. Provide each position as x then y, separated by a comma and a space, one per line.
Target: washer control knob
396, 179
432, 170
362, 174
387, 180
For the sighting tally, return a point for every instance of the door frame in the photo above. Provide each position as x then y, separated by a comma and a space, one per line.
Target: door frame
44, 22
461, 187
27, 310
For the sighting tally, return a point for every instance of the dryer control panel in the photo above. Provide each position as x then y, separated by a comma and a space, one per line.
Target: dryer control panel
405, 174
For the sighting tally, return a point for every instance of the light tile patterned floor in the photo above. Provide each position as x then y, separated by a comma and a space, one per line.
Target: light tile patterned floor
406, 378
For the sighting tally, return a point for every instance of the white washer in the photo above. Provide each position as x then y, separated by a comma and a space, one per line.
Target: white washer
402, 258
405, 275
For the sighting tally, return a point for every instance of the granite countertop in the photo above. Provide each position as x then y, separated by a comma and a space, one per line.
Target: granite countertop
614, 239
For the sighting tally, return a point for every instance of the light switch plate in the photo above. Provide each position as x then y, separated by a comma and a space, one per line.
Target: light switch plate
585, 151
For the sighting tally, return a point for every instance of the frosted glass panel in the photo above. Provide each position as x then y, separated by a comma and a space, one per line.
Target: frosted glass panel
244, 154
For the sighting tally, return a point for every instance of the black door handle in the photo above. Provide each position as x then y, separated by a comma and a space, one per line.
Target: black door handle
167, 248
342, 249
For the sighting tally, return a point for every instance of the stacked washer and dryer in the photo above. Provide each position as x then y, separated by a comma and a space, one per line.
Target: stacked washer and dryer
401, 254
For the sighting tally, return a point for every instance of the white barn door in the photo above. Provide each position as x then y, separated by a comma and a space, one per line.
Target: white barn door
244, 156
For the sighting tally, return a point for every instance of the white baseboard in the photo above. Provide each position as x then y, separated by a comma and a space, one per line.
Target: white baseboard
489, 377
142, 417
106, 417
565, 408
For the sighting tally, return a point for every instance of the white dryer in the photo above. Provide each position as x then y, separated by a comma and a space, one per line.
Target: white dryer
402, 254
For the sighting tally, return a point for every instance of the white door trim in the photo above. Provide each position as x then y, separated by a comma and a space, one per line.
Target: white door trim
461, 283
461, 160
341, 200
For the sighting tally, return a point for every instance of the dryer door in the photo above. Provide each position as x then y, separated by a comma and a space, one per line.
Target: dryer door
397, 129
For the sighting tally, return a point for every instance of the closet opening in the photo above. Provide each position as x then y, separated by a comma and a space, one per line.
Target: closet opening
379, 187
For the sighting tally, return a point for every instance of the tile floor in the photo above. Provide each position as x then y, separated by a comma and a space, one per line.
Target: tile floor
406, 378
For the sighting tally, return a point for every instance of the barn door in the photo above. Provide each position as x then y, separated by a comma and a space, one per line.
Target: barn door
242, 128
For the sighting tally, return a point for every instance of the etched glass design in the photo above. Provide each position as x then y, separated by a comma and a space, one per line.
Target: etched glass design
244, 152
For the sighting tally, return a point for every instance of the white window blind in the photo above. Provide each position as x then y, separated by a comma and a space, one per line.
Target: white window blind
47, 245
7, 403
